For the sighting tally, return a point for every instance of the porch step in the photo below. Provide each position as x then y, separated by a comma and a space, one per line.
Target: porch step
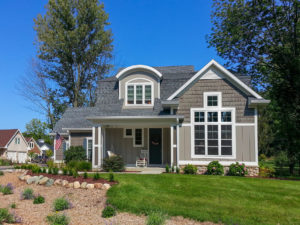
146, 170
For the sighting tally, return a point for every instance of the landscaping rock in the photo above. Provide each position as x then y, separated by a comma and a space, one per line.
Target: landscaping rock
71, 185
83, 185
90, 186
39, 178
106, 186
21, 177
49, 182
64, 183
43, 180
98, 185
76, 184
57, 182
31, 180
26, 177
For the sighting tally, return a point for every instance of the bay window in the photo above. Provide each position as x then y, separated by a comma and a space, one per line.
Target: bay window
139, 94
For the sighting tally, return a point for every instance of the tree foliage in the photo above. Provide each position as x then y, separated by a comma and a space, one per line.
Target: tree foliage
74, 46
38, 130
261, 38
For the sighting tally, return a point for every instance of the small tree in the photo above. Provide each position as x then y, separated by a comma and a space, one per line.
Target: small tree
49, 153
75, 153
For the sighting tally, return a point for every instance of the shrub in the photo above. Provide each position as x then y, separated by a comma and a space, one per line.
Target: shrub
111, 177
96, 176
27, 194
65, 171
114, 163
108, 211
167, 169
1, 173
55, 171
70, 172
58, 219
156, 218
5, 162
44, 170
75, 173
80, 165
50, 170
61, 204
50, 163
13, 205
215, 168
281, 160
236, 169
75, 153
173, 169
262, 157
190, 169
85, 175
177, 169
7, 190
5, 216
35, 169
266, 171
38, 200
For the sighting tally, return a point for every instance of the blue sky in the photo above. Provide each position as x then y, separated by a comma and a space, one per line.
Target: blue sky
155, 33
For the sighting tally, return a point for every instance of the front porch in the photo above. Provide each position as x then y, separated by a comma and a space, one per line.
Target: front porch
156, 140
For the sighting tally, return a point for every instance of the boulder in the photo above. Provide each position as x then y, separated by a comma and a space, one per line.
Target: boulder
31, 180
76, 184
21, 177
71, 185
49, 182
83, 185
64, 183
98, 185
39, 178
106, 186
90, 186
26, 177
43, 180
57, 182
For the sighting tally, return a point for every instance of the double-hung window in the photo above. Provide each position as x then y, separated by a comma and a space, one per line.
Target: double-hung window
212, 128
138, 140
139, 94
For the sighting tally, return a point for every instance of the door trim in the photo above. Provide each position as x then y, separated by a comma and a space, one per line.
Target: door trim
162, 144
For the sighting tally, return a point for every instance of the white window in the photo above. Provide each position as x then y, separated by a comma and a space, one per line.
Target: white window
138, 140
128, 133
31, 145
89, 149
17, 140
212, 99
139, 94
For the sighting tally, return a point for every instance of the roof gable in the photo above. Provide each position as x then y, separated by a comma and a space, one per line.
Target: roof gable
6, 136
212, 65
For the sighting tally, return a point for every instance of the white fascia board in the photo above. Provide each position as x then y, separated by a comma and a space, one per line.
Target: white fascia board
225, 71
135, 67
224, 163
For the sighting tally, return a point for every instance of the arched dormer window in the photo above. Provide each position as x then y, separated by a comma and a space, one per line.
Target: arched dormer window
139, 92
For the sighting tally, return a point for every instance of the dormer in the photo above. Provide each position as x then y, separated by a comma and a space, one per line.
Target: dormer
139, 86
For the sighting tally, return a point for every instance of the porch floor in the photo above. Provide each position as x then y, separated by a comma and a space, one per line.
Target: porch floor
145, 170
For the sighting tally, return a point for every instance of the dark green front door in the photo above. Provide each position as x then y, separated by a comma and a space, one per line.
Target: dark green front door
155, 144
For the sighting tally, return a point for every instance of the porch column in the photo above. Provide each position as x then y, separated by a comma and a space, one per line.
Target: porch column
172, 144
177, 145
97, 140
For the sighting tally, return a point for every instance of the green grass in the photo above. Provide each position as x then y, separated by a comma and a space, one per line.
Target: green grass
230, 200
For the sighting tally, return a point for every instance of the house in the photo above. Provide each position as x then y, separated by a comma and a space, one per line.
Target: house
178, 115
33, 146
13, 146
44, 146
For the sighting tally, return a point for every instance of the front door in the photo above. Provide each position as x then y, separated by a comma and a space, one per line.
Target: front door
155, 145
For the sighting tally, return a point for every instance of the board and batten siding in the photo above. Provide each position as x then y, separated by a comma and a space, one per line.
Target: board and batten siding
231, 97
78, 139
245, 145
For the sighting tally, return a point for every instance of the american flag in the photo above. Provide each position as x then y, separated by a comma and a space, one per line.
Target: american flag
58, 141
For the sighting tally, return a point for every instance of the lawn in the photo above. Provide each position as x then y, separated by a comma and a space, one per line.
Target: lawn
230, 200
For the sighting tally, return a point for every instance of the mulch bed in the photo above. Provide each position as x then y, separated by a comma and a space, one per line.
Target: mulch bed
71, 179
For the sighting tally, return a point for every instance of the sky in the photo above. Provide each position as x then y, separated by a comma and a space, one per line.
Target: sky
154, 33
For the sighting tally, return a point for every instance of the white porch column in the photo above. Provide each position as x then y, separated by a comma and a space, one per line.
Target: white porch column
177, 145
94, 146
172, 145
100, 145
97, 146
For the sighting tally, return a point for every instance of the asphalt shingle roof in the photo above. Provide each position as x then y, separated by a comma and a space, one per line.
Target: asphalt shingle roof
108, 103
5, 136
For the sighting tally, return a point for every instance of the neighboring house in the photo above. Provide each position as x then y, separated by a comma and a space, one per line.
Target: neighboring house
13, 146
33, 146
180, 116
44, 146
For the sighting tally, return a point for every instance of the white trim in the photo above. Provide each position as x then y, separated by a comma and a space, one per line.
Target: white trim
244, 124
177, 145
124, 133
94, 147
75, 129
87, 146
99, 146
69, 140
256, 134
219, 123
186, 124
219, 96
172, 144
225, 71
224, 163
149, 82
136, 67
54, 150
142, 145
